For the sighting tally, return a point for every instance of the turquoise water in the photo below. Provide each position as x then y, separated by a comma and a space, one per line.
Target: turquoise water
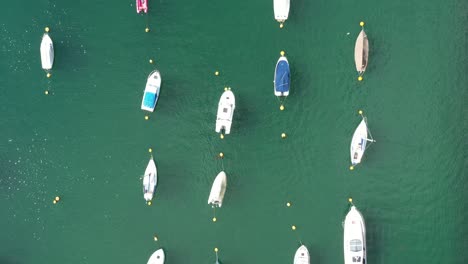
87, 141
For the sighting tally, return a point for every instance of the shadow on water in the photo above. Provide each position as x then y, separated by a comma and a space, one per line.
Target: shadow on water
5, 260
379, 54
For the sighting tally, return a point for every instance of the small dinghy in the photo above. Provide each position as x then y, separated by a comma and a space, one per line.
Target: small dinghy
151, 94
47, 52
282, 77
157, 257
150, 180
354, 239
281, 10
142, 5
359, 142
226, 106
217, 190
361, 52
302, 255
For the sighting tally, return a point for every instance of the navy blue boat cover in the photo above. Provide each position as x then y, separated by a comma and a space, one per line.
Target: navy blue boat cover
282, 77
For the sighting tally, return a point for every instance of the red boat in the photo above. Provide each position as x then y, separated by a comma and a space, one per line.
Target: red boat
142, 5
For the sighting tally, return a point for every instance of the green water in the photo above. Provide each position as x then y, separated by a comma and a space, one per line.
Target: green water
87, 141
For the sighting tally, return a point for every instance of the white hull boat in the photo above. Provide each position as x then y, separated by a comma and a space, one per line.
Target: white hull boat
354, 239
361, 52
157, 257
217, 190
359, 142
47, 52
226, 106
151, 94
302, 255
282, 78
281, 10
150, 180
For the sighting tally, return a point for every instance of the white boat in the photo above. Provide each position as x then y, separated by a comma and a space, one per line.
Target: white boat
302, 255
47, 52
359, 142
226, 106
281, 10
354, 239
151, 94
361, 52
157, 257
150, 180
217, 190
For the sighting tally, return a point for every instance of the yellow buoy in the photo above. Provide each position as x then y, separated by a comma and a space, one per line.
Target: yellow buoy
146, 117
47, 29
351, 167
214, 219
221, 136
150, 61
54, 201
282, 107
216, 73
281, 25
150, 150
360, 112
147, 30
216, 249
350, 199
149, 202
57, 198
48, 75
361, 24
359, 78
46, 92
282, 53
225, 88
221, 154
293, 227
288, 204
155, 238
283, 135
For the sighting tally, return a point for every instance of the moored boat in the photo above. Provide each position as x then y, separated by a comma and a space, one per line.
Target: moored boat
151, 93
302, 255
218, 189
142, 5
281, 10
359, 142
226, 106
157, 257
282, 77
47, 52
150, 180
354, 238
361, 52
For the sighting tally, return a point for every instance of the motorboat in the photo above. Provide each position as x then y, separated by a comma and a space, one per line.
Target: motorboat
218, 190
282, 77
302, 255
281, 10
142, 5
354, 239
151, 94
359, 142
47, 52
226, 106
157, 257
150, 180
361, 52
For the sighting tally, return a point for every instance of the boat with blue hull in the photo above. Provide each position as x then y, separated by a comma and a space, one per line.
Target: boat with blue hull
282, 79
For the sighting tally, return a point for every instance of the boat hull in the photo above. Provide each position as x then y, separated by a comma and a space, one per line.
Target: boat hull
142, 5
226, 106
282, 78
354, 238
47, 52
302, 255
361, 52
218, 189
151, 93
157, 257
359, 142
281, 10
150, 180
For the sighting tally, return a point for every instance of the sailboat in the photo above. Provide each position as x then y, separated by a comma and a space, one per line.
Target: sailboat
281, 10
282, 77
151, 93
157, 257
226, 106
47, 52
142, 5
354, 239
150, 180
361, 52
217, 190
302, 255
359, 142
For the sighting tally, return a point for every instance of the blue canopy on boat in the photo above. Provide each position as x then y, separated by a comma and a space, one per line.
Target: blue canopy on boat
150, 99
282, 77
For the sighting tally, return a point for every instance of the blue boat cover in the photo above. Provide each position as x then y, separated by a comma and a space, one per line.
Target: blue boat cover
282, 77
150, 100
